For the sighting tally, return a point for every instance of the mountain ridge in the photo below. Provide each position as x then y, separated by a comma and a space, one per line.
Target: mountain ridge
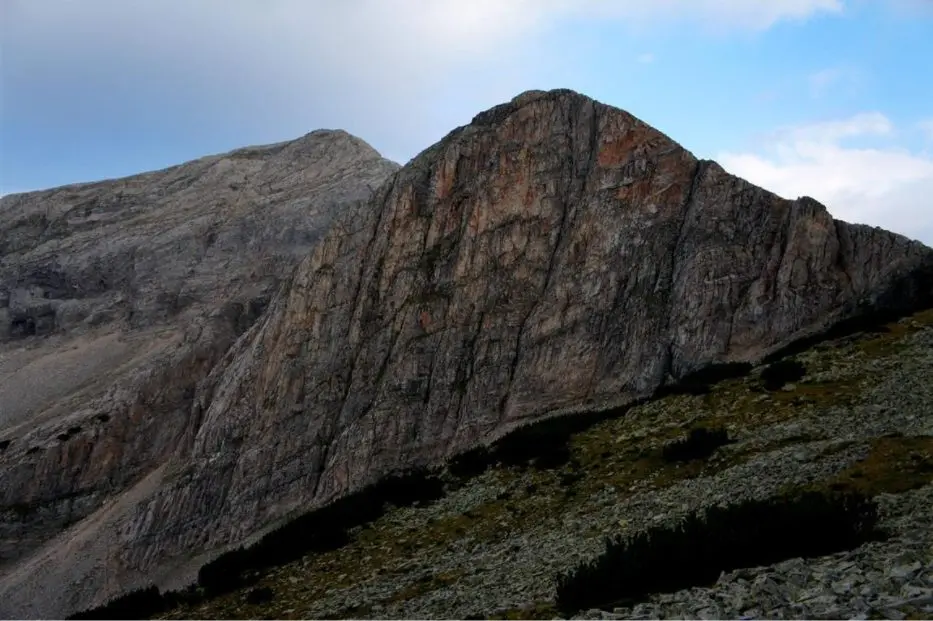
256, 149
555, 253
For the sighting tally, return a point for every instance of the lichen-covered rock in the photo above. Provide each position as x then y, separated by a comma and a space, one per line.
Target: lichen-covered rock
557, 254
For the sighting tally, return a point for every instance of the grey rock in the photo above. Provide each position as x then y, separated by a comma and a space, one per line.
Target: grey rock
917, 594
118, 297
710, 612
905, 572
892, 597
403, 366
555, 256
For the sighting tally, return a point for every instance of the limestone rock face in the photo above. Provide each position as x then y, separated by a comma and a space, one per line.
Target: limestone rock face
117, 297
556, 254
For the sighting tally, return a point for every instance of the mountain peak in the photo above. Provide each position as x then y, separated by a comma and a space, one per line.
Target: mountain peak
336, 135
556, 256
500, 111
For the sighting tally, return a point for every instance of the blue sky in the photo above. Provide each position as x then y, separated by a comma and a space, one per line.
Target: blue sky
830, 98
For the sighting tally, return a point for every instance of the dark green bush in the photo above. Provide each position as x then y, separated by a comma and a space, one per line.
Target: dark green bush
701, 381
404, 490
190, 595
261, 595
568, 479
139, 604
226, 572
546, 444
782, 372
701, 546
699, 444
319, 530
471, 463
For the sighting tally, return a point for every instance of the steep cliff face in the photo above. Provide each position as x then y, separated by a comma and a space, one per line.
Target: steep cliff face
118, 297
556, 254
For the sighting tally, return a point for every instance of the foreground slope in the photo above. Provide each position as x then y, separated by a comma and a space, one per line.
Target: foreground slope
555, 255
859, 419
117, 297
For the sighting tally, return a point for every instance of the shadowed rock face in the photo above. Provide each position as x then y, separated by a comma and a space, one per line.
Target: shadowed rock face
118, 297
556, 254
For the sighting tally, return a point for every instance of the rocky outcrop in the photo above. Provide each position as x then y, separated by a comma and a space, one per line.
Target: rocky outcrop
555, 255
118, 297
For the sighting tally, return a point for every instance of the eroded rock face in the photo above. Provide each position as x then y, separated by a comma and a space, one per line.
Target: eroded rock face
146, 248
556, 254
118, 297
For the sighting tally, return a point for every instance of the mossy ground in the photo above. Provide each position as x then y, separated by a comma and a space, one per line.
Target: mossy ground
624, 453
895, 464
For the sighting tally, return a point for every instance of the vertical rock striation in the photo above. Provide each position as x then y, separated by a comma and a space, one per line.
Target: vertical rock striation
556, 254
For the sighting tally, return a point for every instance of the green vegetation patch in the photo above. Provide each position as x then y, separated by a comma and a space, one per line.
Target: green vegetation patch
700, 547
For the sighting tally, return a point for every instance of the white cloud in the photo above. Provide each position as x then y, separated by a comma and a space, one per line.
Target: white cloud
498, 17
646, 58
718, 14
379, 32
396, 72
884, 186
846, 79
859, 125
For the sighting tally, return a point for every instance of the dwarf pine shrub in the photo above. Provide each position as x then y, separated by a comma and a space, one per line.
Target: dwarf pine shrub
699, 444
777, 374
696, 550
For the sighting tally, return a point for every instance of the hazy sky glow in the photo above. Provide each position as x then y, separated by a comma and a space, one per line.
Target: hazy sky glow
830, 98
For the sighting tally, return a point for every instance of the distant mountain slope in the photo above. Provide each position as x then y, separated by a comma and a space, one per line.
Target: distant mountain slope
145, 248
117, 297
556, 255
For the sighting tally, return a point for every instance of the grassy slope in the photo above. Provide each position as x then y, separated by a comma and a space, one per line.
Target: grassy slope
405, 555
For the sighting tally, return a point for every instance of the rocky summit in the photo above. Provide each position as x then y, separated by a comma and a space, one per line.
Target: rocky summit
172, 390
